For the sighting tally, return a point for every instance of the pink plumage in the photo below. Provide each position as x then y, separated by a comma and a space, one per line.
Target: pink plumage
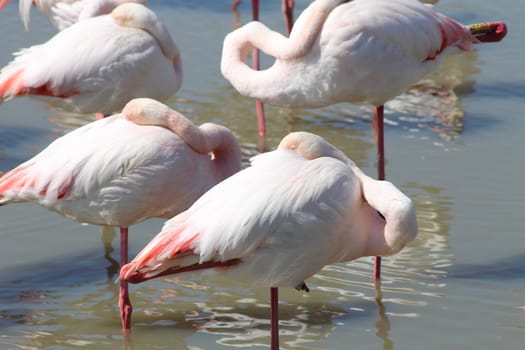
361, 51
278, 222
148, 161
98, 64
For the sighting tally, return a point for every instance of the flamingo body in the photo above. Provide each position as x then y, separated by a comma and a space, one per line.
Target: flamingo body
99, 64
148, 161
281, 220
362, 51
116, 172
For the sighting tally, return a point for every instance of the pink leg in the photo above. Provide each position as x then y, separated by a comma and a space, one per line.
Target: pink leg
287, 8
124, 302
274, 318
377, 124
259, 107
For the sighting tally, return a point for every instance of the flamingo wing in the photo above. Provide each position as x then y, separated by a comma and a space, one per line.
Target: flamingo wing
65, 14
282, 205
413, 28
99, 159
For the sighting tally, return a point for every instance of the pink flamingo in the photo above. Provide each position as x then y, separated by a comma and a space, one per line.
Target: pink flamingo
362, 51
280, 221
99, 64
148, 161
63, 13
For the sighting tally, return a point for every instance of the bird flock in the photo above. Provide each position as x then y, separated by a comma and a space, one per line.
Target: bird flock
277, 222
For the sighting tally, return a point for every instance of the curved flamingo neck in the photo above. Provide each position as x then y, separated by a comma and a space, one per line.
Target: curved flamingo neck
240, 42
135, 15
207, 139
224, 148
145, 111
394, 222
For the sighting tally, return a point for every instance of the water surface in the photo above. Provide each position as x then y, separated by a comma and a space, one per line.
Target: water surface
454, 145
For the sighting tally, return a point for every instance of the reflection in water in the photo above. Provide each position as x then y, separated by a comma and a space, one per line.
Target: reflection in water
66, 122
72, 303
108, 237
433, 103
382, 323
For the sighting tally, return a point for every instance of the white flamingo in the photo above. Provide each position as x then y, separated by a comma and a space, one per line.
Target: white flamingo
148, 161
280, 221
97, 65
361, 51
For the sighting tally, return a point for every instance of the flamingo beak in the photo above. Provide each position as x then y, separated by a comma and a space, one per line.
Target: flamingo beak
489, 32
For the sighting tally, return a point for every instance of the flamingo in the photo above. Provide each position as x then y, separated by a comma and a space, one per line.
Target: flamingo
97, 65
281, 220
361, 51
148, 161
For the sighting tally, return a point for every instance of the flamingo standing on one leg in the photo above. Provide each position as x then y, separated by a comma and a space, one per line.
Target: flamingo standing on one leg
280, 221
363, 51
97, 65
148, 161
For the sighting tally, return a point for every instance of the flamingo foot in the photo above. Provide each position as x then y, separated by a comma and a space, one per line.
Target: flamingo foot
125, 307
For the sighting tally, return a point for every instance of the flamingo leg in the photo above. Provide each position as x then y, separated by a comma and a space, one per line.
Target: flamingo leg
287, 8
377, 124
124, 302
274, 318
259, 107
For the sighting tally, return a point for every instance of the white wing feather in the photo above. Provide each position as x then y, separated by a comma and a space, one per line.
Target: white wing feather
282, 205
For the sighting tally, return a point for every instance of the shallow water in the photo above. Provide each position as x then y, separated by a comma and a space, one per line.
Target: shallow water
453, 145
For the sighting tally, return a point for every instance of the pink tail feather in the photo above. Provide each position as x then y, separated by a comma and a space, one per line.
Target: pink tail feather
19, 178
13, 179
128, 274
168, 254
165, 251
12, 85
